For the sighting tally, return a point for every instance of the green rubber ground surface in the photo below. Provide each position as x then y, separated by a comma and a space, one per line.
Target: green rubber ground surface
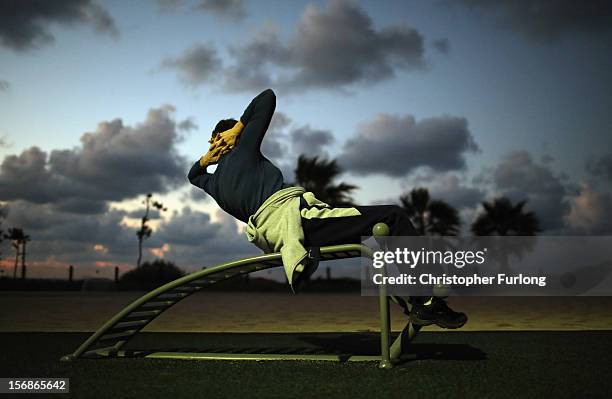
449, 365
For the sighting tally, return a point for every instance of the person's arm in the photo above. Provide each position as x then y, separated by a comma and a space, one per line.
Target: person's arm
198, 176
256, 119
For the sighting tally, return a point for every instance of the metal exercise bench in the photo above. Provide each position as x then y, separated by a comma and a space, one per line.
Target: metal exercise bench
109, 340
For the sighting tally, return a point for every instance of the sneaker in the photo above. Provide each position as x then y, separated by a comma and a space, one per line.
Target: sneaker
438, 313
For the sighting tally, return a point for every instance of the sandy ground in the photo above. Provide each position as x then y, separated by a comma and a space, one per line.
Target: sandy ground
263, 312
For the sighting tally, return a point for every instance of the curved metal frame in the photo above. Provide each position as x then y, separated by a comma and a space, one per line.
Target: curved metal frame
109, 339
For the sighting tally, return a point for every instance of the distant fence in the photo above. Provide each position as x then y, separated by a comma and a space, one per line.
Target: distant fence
256, 284
8, 283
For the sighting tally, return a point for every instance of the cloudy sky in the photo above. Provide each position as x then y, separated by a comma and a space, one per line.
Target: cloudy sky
104, 101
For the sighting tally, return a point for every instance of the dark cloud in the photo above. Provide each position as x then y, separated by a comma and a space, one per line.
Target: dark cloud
395, 146
283, 143
197, 194
249, 72
230, 9
81, 205
187, 125
4, 85
336, 47
442, 45
188, 227
601, 167
26, 176
449, 188
24, 24
305, 140
591, 212
113, 163
189, 238
339, 46
548, 20
71, 237
196, 65
280, 121
273, 146
276, 146
196, 241
273, 149
518, 177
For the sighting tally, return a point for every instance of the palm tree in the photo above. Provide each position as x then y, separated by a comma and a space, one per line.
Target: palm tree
433, 217
24, 241
503, 219
318, 176
145, 231
18, 241
15, 244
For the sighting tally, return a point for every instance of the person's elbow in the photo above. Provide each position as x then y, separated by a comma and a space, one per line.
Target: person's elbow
268, 93
193, 173
268, 101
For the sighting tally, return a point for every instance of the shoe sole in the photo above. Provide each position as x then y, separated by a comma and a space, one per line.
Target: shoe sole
421, 322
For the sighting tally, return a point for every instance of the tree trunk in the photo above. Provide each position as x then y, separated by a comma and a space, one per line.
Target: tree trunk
422, 223
23, 256
141, 237
16, 262
139, 252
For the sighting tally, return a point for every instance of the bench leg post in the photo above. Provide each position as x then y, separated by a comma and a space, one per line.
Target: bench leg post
385, 327
400, 345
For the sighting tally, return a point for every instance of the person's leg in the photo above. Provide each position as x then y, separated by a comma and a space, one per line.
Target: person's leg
321, 232
351, 229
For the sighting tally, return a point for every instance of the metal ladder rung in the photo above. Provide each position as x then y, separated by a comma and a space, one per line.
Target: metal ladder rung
157, 304
196, 287
127, 324
200, 282
141, 314
109, 337
173, 295
184, 288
